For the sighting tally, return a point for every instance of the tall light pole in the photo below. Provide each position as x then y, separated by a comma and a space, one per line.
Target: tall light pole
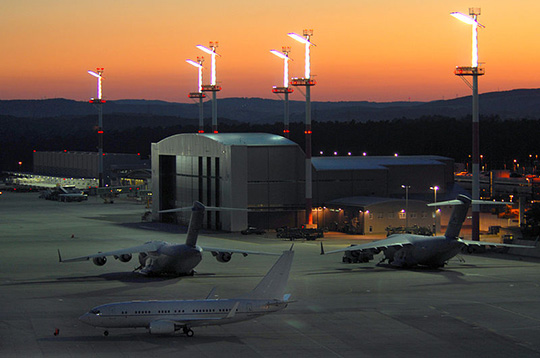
98, 103
213, 87
434, 188
306, 82
406, 187
199, 94
285, 89
474, 70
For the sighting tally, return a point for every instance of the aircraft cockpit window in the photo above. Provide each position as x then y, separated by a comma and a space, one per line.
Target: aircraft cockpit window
95, 311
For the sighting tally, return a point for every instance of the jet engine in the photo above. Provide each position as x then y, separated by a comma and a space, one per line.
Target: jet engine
124, 257
223, 256
162, 327
142, 258
99, 261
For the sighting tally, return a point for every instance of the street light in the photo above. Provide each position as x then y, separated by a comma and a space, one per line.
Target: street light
406, 187
285, 89
434, 188
98, 103
200, 95
213, 87
306, 82
473, 71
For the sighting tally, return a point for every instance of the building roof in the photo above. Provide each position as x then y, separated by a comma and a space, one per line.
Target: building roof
372, 163
248, 139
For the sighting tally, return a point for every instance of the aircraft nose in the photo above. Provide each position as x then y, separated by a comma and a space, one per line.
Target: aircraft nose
85, 318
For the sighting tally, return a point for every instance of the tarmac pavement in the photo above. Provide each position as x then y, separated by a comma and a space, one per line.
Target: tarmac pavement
486, 306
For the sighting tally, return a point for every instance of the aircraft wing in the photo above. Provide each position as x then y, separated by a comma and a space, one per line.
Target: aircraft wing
397, 241
486, 243
235, 251
149, 246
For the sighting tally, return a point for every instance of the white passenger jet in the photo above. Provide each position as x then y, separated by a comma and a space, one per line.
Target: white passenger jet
163, 258
167, 317
407, 250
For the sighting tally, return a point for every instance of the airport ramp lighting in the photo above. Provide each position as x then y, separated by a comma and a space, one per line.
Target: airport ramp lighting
471, 20
211, 51
99, 75
305, 40
285, 56
198, 64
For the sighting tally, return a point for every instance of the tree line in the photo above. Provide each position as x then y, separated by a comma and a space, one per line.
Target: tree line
501, 141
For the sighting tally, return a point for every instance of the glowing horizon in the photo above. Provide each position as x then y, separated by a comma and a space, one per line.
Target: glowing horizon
411, 55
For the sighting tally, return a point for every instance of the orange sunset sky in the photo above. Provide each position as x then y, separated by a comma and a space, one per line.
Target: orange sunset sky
385, 50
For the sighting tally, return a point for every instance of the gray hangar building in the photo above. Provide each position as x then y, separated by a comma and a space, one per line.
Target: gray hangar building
265, 174
261, 172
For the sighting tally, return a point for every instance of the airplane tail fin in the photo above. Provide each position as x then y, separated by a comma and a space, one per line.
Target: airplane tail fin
459, 214
273, 284
195, 223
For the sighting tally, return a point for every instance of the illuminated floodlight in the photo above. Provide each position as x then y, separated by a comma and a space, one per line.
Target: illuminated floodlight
198, 64
193, 63
305, 40
98, 75
285, 56
300, 38
471, 21
211, 51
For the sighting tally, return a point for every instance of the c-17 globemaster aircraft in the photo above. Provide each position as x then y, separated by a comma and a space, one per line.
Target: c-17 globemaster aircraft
167, 317
163, 258
407, 250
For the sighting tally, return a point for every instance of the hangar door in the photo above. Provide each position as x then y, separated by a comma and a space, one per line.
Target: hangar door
167, 185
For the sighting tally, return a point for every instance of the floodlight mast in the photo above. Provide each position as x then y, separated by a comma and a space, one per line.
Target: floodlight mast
306, 82
200, 95
98, 103
473, 71
213, 87
285, 89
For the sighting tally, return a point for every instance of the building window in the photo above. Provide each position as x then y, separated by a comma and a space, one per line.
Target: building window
402, 215
390, 215
380, 215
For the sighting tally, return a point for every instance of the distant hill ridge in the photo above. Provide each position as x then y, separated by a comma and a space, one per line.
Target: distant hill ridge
514, 104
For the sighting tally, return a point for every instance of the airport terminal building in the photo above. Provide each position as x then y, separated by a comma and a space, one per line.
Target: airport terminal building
265, 174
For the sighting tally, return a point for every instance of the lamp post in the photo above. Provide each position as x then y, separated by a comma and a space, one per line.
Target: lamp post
285, 89
98, 103
306, 82
213, 87
473, 71
406, 187
434, 188
199, 94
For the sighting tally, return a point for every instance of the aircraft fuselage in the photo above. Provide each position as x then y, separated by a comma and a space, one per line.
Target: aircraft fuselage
172, 259
433, 251
190, 313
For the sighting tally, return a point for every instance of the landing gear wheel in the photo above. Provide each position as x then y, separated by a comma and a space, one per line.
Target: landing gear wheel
188, 332
106, 333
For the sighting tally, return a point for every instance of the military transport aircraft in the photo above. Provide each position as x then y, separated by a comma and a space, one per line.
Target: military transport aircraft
167, 317
163, 258
407, 250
